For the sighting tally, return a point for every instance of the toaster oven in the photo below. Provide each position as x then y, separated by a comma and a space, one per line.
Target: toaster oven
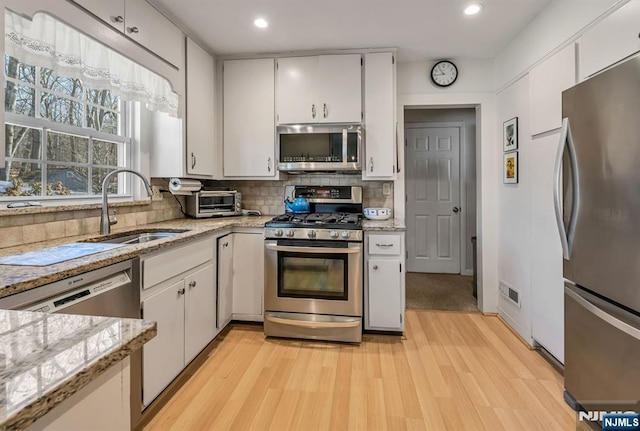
214, 203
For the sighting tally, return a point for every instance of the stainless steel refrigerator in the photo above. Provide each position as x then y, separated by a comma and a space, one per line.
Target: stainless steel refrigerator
598, 210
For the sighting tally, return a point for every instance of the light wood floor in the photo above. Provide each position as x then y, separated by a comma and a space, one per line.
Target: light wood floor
454, 371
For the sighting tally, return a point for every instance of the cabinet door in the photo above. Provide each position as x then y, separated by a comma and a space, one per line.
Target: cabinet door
339, 88
385, 294
151, 29
249, 128
297, 95
611, 40
380, 124
163, 356
200, 110
111, 12
547, 81
248, 276
225, 280
199, 311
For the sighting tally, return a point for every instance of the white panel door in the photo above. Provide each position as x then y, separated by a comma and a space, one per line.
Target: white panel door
433, 199
200, 102
225, 280
385, 294
163, 356
199, 311
297, 95
380, 130
249, 128
111, 12
248, 276
547, 287
340, 88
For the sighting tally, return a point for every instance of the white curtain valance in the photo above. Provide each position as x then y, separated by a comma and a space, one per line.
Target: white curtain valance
47, 42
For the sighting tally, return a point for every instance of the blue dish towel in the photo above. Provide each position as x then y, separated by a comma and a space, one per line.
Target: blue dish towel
51, 255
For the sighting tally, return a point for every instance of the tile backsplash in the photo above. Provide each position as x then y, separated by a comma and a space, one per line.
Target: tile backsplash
268, 196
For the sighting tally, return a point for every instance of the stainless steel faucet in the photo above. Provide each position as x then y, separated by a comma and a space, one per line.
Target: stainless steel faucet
105, 221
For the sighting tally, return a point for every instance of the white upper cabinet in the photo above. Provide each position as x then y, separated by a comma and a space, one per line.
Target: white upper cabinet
142, 23
379, 108
319, 89
200, 102
249, 118
547, 81
111, 12
611, 40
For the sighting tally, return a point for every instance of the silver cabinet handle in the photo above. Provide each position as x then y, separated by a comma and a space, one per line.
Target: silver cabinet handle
566, 235
325, 111
192, 284
313, 111
269, 164
181, 291
322, 250
226, 244
384, 245
375, 267
371, 164
118, 18
193, 160
132, 29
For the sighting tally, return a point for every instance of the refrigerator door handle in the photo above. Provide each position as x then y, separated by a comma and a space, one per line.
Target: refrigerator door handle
566, 235
608, 318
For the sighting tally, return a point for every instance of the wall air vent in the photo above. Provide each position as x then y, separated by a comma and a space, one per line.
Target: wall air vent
510, 293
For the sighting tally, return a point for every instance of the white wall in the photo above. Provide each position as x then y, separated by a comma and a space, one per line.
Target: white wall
467, 167
559, 22
514, 209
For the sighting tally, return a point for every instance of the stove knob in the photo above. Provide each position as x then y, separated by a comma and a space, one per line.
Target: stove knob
290, 233
345, 234
277, 232
333, 234
311, 234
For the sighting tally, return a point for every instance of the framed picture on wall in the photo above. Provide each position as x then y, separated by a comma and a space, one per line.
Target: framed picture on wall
510, 134
510, 168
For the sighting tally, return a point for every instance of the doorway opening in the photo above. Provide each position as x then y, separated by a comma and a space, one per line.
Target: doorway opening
441, 209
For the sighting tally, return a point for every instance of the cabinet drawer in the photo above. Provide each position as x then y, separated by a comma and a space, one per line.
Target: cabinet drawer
384, 244
163, 266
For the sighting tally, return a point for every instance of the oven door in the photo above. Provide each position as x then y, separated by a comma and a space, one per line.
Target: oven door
316, 277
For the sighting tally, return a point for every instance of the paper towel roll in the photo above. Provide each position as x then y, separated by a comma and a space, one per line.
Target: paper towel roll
184, 186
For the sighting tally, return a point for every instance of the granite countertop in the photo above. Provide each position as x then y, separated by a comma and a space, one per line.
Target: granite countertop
45, 358
388, 225
19, 278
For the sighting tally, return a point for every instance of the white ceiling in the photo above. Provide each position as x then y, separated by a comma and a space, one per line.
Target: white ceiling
421, 29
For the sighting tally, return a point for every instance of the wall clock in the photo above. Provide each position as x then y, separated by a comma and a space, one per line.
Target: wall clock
444, 73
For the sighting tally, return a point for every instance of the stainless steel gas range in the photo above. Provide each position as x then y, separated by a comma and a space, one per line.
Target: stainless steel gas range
313, 267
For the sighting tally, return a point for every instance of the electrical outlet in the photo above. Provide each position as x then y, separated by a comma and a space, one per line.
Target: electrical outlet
386, 189
157, 196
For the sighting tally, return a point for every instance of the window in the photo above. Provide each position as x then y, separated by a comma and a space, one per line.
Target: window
61, 137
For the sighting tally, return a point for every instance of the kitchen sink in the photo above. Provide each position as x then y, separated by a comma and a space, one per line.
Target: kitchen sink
138, 237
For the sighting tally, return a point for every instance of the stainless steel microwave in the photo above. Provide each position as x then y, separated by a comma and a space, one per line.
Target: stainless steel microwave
320, 147
214, 203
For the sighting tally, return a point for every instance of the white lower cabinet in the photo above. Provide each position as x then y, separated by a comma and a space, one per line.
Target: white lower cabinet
248, 276
384, 290
180, 295
225, 280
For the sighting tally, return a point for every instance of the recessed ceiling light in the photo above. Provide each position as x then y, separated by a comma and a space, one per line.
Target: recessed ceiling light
261, 23
473, 9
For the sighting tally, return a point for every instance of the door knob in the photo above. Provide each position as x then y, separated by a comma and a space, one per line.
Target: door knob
456, 209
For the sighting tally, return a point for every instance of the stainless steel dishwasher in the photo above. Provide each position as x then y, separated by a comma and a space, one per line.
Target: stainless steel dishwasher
112, 291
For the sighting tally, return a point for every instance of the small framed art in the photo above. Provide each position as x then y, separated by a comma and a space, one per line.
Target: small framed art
510, 134
510, 168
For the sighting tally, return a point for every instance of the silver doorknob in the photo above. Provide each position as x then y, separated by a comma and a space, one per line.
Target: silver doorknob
375, 267
456, 209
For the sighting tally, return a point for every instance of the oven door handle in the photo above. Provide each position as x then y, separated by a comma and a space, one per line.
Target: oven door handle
313, 249
309, 324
